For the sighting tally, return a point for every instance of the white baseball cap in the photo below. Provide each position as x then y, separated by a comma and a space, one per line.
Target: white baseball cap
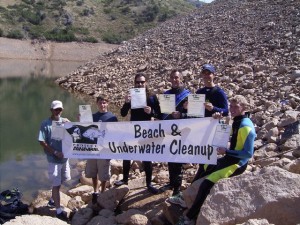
56, 104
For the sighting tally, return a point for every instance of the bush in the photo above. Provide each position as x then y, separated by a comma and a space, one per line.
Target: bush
79, 2
63, 35
112, 38
15, 34
1, 32
90, 39
31, 17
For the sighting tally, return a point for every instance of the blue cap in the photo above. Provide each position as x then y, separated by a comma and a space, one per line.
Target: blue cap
209, 67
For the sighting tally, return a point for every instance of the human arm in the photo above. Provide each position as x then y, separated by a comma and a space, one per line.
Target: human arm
50, 150
125, 109
218, 104
246, 136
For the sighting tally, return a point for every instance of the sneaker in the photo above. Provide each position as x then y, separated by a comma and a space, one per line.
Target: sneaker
95, 197
152, 189
178, 200
183, 220
120, 182
51, 204
62, 216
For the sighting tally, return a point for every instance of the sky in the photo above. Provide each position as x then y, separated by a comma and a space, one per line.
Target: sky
207, 1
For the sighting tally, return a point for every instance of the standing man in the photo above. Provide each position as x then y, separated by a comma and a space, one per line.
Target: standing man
215, 97
58, 168
100, 167
181, 94
234, 161
152, 110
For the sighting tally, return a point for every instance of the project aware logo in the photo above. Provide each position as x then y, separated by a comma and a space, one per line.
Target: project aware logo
87, 135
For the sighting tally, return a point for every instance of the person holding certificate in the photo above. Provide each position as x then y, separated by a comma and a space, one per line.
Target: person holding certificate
100, 168
58, 165
215, 97
233, 162
181, 94
149, 111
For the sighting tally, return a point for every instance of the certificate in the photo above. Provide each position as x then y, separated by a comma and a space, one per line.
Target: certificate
221, 136
138, 98
167, 103
57, 130
85, 113
196, 105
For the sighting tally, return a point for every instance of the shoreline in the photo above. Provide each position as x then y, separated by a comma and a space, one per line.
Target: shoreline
51, 51
23, 58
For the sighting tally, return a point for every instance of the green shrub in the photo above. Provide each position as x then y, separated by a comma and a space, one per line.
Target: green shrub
36, 32
15, 34
125, 10
31, 17
112, 38
62, 35
81, 30
107, 10
90, 39
79, 2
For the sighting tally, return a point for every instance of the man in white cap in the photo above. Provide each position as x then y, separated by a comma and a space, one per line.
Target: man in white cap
58, 169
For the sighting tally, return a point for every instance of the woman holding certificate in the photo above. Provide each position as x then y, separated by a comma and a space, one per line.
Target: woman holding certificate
179, 95
143, 107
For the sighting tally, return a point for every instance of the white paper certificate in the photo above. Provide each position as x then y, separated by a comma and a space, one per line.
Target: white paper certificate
221, 136
138, 98
85, 113
57, 130
196, 105
167, 103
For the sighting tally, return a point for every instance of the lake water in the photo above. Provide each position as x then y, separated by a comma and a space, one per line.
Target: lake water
25, 97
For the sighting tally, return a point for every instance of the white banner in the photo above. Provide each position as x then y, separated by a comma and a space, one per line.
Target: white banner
184, 140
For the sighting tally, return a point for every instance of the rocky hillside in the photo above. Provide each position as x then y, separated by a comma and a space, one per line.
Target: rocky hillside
254, 45
85, 20
256, 49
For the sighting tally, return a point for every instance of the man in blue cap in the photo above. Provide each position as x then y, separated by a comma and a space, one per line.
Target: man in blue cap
215, 97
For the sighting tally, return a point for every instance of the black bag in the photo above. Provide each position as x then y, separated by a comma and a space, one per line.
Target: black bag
9, 196
11, 205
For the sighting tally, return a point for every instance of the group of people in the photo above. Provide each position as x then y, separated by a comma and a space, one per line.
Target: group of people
233, 162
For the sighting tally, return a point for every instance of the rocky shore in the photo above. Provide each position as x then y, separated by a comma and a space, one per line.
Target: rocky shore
256, 49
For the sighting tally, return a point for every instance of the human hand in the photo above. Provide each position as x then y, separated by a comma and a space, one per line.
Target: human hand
185, 104
221, 150
59, 155
127, 98
176, 115
218, 115
147, 109
208, 106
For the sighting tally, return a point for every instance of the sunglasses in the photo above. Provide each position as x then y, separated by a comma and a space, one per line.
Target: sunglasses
140, 82
58, 110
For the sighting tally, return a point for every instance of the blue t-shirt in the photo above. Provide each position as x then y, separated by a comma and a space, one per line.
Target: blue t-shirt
45, 135
104, 117
217, 97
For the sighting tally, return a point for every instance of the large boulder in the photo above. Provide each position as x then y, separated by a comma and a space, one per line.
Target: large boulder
272, 193
35, 220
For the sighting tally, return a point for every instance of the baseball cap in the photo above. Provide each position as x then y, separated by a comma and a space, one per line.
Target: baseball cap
209, 67
56, 104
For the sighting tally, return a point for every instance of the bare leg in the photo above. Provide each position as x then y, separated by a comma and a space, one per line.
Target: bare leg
95, 184
56, 196
103, 186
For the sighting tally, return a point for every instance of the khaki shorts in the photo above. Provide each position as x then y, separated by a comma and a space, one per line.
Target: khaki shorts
58, 173
100, 167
